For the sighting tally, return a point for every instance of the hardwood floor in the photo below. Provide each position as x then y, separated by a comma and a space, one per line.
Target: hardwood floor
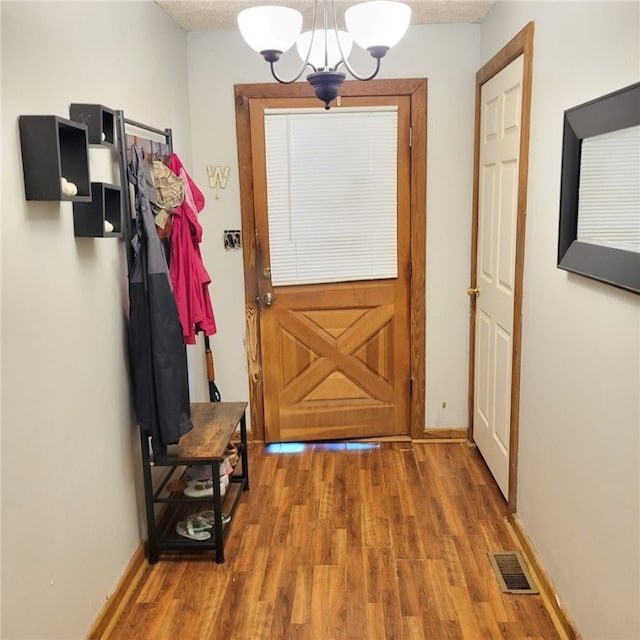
353, 542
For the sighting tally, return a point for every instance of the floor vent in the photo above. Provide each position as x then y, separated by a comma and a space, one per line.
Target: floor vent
512, 572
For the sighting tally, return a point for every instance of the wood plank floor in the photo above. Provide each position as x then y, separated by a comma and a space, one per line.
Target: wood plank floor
349, 542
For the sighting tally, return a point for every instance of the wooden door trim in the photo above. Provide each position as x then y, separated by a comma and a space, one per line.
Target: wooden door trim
521, 44
416, 89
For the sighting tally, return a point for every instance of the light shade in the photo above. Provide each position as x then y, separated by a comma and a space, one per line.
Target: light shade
317, 57
270, 28
379, 23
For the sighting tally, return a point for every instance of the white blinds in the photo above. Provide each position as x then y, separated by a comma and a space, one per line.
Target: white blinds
332, 194
609, 196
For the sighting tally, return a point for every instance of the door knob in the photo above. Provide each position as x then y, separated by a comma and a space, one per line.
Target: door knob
473, 291
268, 299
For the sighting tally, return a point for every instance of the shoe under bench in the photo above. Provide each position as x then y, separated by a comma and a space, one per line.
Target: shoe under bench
215, 426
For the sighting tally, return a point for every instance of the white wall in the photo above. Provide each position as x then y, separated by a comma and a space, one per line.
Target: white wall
578, 480
448, 56
71, 475
1, 200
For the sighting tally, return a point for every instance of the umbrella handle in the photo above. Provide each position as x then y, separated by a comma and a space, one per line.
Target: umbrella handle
211, 374
214, 393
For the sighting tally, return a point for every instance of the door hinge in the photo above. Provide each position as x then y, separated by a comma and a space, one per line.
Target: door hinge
411, 387
410, 137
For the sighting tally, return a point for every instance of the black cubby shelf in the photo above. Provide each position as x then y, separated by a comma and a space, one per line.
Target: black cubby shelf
54, 148
89, 217
100, 121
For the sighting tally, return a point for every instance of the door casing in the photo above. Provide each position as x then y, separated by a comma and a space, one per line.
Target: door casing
416, 89
521, 44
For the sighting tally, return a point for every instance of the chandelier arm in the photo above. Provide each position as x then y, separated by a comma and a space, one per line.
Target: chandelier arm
343, 58
350, 69
325, 25
305, 62
296, 77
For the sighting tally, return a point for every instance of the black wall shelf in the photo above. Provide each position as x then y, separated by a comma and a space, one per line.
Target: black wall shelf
53, 148
105, 205
99, 120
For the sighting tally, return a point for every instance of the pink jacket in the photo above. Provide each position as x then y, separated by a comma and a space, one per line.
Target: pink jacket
189, 277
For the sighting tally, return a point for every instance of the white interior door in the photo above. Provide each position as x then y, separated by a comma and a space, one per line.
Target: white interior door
500, 124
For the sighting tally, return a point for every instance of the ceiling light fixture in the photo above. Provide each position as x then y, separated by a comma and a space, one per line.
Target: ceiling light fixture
375, 26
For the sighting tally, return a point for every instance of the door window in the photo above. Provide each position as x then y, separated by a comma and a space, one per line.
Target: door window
332, 194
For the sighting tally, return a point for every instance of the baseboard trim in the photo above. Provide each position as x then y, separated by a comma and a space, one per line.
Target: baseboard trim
429, 436
116, 602
380, 439
560, 617
456, 433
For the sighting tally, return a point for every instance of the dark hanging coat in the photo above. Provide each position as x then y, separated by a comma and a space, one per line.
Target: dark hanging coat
157, 352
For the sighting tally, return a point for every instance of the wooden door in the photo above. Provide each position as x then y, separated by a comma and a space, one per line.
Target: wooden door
335, 356
502, 134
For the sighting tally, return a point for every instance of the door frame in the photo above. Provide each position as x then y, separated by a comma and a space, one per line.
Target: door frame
416, 89
521, 44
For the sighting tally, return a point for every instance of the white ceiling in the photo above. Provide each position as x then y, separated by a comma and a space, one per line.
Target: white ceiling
211, 15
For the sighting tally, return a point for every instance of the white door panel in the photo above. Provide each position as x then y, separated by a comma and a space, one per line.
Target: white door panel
506, 232
501, 106
483, 349
502, 361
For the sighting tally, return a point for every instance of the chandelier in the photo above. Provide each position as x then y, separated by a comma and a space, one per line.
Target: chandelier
375, 26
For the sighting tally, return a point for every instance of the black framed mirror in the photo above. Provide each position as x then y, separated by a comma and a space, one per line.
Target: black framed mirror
599, 234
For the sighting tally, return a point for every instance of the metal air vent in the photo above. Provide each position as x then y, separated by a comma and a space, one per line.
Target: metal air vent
512, 572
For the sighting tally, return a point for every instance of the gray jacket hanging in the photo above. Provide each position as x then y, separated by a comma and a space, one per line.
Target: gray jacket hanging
157, 352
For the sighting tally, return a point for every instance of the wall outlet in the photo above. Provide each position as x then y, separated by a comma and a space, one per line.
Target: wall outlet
232, 239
